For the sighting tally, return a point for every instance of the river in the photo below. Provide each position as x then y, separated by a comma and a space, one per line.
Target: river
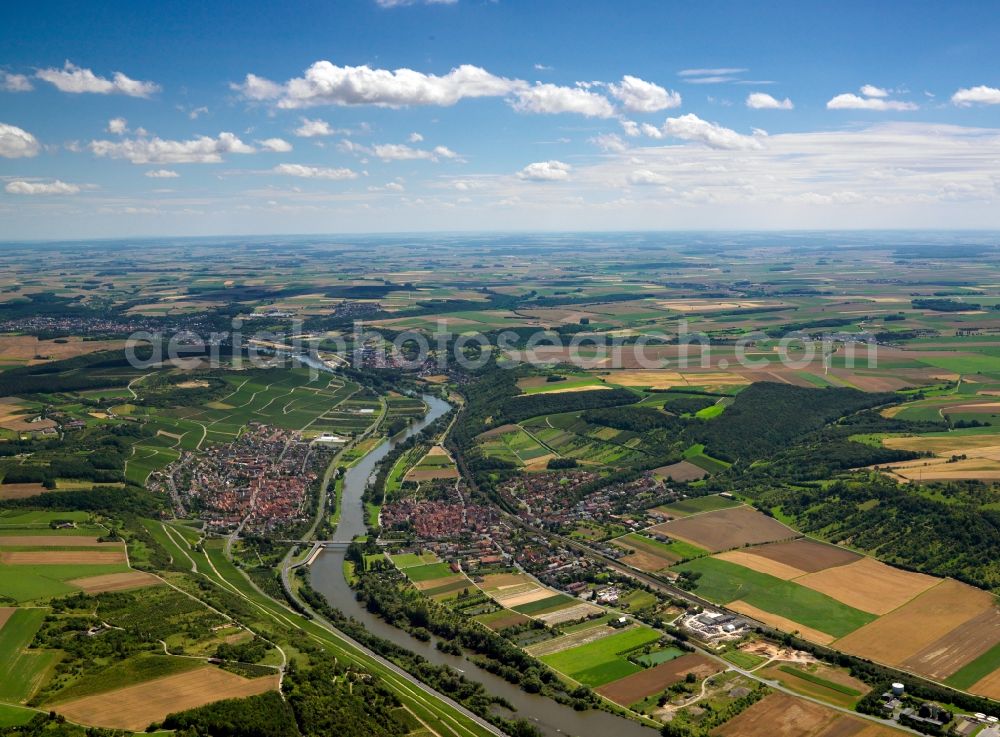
327, 577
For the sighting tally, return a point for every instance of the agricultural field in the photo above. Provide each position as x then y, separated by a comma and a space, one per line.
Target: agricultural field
601, 662
36, 564
636, 687
687, 507
726, 529
436, 464
781, 715
136, 707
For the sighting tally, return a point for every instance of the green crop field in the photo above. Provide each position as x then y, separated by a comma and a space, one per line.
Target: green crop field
428, 572
572, 383
16, 716
724, 582
24, 670
660, 656
600, 662
549, 603
973, 672
32, 582
746, 661
409, 560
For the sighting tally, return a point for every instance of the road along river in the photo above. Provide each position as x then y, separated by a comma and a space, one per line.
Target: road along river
327, 577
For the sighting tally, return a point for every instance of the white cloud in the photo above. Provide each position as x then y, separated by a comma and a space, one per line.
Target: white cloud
631, 128
647, 177
716, 72
314, 128
550, 99
201, 150
15, 82
276, 145
314, 172
545, 171
764, 101
640, 96
874, 98
19, 186
542, 68
610, 142
399, 151
394, 187
118, 126
77, 80
197, 112
870, 90
718, 75
162, 174
16, 143
415, 137
692, 128
981, 95
325, 83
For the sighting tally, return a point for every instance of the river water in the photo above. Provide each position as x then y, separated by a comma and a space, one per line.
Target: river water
327, 577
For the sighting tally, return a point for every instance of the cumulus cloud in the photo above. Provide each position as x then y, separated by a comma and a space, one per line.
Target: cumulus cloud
764, 101
201, 150
692, 128
402, 152
314, 128
77, 80
19, 186
16, 143
399, 151
550, 99
15, 82
870, 90
981, 95
609, 142
118, 126
314, 172
545, 171
162, 174
871, 98
640, 96
646, 177
415, 137
276, 145
325, 83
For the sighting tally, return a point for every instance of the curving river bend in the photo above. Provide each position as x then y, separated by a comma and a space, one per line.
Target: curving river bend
327, 577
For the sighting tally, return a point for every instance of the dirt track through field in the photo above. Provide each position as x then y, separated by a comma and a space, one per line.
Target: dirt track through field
136, 707
963, 645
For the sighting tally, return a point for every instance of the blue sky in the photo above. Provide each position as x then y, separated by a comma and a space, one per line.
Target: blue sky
125, 118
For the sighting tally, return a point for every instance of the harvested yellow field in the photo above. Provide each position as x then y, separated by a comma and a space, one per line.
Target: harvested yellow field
136, 707
869, 585
524, 598
504, 580
52, 541
980, 445
782, 623
30, 349
989, 686
63, 557
115, 582
665, 378
914, 626
761, 564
